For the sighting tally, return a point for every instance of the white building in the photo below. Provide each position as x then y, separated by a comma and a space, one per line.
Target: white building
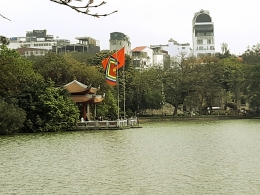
176, 49
203, 34
20, 42
119, 40
142, 57
160, 56
34, 39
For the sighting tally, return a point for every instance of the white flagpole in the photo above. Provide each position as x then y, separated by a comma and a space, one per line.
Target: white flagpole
124, 84
117, 83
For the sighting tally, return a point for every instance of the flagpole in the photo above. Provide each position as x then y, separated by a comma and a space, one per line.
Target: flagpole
117, 83
124, 85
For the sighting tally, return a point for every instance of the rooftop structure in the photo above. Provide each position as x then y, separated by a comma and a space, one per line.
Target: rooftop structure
84, 95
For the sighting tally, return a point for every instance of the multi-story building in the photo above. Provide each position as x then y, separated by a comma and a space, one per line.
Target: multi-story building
176, 49
142, 57
30, 52
119, 40
203, 34
84, 45
161, 58
38, 39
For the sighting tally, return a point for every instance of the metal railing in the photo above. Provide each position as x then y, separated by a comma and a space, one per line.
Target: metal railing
106, 124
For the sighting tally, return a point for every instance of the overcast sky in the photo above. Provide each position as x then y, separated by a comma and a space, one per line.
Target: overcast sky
146, 22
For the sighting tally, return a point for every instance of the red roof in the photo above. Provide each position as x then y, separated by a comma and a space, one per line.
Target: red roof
141, 48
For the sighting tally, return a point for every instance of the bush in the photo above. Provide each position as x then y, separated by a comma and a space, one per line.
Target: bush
11, 118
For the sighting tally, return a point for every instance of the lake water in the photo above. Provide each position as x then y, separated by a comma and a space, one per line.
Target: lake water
168, 157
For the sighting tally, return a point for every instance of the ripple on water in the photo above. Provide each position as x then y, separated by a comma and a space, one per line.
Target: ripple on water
216, 157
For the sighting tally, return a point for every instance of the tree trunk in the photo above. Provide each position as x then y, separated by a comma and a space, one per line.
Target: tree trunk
175, 109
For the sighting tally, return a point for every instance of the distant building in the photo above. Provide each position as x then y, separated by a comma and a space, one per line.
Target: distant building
119, 40
142, 57
34, 39
161, 58
203, 34
175, 49
29, 52
84, 45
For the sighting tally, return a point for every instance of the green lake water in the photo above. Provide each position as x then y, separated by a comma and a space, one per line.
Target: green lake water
168, 157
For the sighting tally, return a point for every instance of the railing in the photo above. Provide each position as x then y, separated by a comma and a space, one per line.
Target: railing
120, 123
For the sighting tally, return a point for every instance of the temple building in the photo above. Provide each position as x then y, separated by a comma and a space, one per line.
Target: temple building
84, 96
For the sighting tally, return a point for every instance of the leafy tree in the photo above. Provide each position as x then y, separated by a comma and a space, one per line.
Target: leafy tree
16, 73
48, 109
233, 76
11, 117
253, 86
146, 92
205, 85
108, 107
252, 55
177, 82
58, 67
82, 57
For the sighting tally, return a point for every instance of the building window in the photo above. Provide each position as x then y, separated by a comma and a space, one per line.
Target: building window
212, 48
200, 47
113, 42
209, 41
183, 47
199, 42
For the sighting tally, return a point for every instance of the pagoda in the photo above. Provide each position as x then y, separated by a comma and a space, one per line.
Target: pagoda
84, 95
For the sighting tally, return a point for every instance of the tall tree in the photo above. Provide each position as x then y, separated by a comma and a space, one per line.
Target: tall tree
233, 76
177, 82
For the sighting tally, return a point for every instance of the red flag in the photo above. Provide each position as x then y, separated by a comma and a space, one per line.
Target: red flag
112, 64
111, 70
119, 56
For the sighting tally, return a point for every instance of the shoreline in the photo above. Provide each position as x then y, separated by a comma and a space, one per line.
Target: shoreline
203, 117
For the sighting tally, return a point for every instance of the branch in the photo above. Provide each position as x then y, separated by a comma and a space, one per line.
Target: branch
4, 17
83, 9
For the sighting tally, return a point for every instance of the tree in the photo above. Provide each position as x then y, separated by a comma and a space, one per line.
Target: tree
11, 117
253, 85
205, 88
252, 55
16, 73
145, 91
4, 40
251, 59
108, 106
48, 108
177, 82
233, 76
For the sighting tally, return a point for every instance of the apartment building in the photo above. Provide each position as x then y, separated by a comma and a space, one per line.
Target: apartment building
119, 40
203, 39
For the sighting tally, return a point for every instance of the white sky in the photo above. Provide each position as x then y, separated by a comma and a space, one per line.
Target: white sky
146, 22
